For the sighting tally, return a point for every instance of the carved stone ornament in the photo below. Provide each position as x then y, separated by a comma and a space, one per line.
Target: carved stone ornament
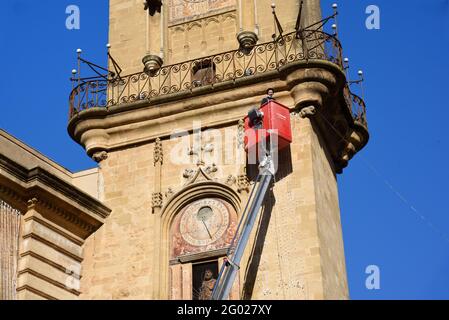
100, 156
231, 180
241, 133
169, 193
157, 200
243, 183
31, 203
158, 152
199, 152
211, 169
307, 112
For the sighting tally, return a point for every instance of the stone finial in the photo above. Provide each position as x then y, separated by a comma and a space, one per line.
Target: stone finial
247, 41
152, 64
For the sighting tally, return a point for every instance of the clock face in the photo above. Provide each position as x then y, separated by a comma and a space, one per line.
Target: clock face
204, 222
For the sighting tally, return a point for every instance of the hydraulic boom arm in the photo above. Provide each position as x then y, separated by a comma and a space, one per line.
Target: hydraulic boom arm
230, 268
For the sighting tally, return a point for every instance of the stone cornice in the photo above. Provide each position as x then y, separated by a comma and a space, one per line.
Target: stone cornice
59, 200
299, 84
176, 103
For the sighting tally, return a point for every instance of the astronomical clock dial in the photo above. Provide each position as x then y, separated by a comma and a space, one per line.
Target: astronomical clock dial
204, 222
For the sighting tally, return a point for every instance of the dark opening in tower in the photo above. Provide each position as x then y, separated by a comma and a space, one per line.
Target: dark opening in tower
204, 276
203, 72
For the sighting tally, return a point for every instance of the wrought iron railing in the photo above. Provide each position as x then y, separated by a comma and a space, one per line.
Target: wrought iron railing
356, 105
185, 76
359, 109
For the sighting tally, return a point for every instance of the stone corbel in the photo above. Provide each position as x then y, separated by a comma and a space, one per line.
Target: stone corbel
310, 86
307, 112
100, 156
353, 144
32, 202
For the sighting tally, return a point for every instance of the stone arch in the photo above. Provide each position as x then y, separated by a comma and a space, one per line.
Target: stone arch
189, 194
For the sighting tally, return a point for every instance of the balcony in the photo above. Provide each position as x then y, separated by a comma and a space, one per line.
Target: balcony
307, 46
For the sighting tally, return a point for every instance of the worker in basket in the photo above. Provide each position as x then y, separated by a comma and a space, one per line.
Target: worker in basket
269, 97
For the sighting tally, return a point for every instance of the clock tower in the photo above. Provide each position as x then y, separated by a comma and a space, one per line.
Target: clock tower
168, 134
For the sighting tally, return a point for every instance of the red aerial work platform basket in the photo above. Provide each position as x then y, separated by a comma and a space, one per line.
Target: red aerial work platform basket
275, 119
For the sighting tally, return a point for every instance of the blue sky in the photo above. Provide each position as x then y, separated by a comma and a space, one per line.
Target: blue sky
394, 194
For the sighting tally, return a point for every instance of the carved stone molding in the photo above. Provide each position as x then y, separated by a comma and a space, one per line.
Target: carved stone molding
199, 175
314, 83
11, 195
47, 207
158, 152
56, 199
208, 171
200, 188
